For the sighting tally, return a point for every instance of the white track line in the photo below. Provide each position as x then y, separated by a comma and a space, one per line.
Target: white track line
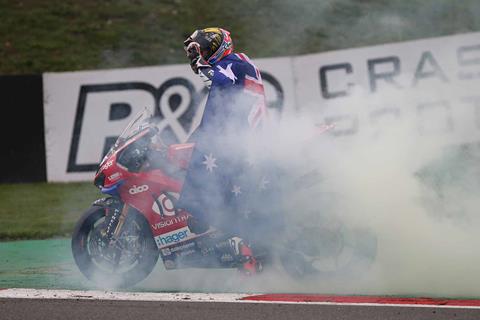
17, 293
123, 296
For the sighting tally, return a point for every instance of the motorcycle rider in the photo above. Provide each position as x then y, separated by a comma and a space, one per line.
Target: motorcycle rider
215, 188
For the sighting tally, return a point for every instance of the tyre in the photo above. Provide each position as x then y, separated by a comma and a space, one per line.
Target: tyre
129, 260
326, 252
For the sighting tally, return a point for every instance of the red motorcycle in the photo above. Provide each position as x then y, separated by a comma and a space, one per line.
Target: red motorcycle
119, 239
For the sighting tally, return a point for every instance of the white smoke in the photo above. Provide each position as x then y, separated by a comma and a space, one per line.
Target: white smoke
427, 239
416, 193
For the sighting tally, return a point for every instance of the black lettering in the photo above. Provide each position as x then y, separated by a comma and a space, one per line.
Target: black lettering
276, 104
436, 71
72, 165
109, 142
119, 111
345, 125
326, 93
388, 77
466, 57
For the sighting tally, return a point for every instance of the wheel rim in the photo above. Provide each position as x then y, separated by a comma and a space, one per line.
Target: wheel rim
120, 257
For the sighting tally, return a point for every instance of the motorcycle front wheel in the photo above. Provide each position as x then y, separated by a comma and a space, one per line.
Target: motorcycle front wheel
114, 264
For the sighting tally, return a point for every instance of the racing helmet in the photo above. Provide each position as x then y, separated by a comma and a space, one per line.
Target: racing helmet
215, 43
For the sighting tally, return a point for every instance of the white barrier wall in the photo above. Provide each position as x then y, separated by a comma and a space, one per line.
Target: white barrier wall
85, 111
432, 83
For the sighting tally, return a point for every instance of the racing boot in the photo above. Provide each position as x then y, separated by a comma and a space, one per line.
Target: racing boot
238, 252
251, 265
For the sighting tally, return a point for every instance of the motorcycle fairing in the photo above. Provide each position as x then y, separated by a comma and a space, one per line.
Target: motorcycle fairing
152, 191
198, 252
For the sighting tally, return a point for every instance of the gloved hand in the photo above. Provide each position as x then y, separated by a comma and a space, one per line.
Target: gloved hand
197, 62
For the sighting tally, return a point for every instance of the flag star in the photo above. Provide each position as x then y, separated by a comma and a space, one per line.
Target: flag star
264, 183
209, 162
236, 190
227, 72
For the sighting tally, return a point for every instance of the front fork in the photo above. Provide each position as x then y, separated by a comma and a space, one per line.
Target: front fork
117, 212
121, 222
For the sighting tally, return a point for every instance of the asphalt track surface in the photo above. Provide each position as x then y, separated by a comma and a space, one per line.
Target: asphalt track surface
144, 310
73, 305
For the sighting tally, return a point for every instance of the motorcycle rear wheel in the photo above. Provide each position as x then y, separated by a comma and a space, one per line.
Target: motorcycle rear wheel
344, 253
128, 261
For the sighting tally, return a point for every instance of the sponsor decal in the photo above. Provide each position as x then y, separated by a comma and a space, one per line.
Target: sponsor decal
135, 189
106, 165
167, 209
185, 249
173, 237
169, 222
182, 247
115, 176
186, 253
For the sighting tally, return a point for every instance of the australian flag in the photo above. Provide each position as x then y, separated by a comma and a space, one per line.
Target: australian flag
223, 186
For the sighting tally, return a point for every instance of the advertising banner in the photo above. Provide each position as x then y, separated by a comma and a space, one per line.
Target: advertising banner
431, 85
86, 111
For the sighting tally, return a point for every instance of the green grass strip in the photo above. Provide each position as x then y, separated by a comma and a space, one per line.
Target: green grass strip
42, 210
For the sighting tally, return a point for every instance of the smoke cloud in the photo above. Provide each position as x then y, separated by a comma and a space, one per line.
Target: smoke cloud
404, 182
